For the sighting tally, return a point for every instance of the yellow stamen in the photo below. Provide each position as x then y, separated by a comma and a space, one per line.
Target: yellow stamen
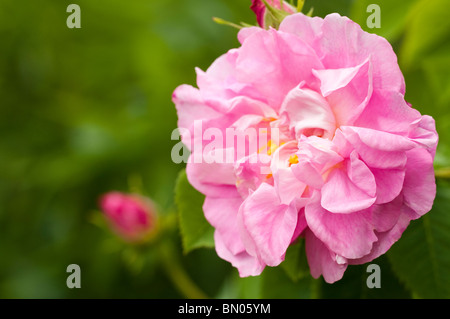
272, 147
293, 159
269, 148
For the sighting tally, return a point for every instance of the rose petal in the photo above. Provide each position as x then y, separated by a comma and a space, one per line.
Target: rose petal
347, 90
308, 110
348, 235
419, 187
247, 265
222, 213
349, 190
266, 225
322, 261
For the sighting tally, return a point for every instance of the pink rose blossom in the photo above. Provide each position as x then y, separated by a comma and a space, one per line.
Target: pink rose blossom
353, 164
130, 215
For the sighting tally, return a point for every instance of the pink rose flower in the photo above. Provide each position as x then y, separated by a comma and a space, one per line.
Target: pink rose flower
131, 216
260, 10
351, 166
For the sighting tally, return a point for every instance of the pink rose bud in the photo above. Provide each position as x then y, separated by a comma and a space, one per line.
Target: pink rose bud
132, 216
266, 17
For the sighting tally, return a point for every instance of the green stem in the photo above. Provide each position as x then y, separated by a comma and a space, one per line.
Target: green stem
178, 275
315, 288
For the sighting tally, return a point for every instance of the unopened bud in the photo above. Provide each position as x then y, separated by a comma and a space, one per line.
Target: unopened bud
270, 13
131, 216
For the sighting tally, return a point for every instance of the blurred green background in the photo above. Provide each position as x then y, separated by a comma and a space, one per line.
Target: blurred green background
85, 111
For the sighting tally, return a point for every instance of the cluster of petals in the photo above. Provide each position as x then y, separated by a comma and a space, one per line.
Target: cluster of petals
354, 161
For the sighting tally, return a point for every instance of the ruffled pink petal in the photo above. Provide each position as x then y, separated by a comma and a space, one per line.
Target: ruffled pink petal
275, 62
348, 235
221, 213
287, 185
387, 111
343, 44
245, 33
322, 261
361, 175
250, 172
266, 225
385, 240
385, 216
349, 189
302, 225
419, 188
389, 183
191, 107
308, 112
377, 149
206, 178
306, 28
423, 132
247, 265
219, 83
334, 79
306, 173
321, 153
377, 139
285, 182
347, 90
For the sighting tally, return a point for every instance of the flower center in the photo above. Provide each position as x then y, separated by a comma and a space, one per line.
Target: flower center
293, 159
269, 148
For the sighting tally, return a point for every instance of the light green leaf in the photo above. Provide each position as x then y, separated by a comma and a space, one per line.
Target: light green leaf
421, 258
195, 230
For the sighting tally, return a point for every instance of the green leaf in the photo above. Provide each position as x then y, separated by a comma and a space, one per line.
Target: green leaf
276, 284
421, 258
196, 232
235, 287
300, 4
295, 263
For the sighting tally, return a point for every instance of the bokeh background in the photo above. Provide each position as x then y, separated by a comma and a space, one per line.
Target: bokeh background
85, 111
